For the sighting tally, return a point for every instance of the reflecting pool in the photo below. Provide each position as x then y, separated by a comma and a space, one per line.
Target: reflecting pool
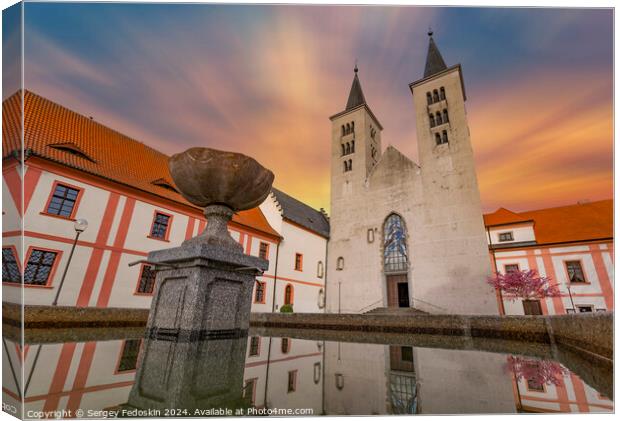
128, 375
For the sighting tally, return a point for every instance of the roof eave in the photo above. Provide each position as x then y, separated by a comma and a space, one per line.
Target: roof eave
355, 109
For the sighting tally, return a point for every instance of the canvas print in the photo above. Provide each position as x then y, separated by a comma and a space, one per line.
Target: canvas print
306, 210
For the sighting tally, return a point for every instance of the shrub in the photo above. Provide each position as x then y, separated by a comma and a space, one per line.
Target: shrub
286, 308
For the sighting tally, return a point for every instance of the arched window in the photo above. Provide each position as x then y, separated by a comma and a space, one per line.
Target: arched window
442, 93
435, 96
342, 149
348, 149
319, 269
348, 129
445, 116
394, 244
352, 126
438, 118
346, 167
437, 139
350, 165
353, 146
432, 118
340, 263
343, 133
445, 137
429, 98
285, 346
288, 294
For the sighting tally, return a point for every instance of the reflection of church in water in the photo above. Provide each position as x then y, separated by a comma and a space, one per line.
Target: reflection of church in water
403, 233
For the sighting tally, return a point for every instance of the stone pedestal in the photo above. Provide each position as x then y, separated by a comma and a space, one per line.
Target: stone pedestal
202, 290
190, 377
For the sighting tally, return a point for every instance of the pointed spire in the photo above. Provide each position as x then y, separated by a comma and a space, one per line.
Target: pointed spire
356, 96
434, 61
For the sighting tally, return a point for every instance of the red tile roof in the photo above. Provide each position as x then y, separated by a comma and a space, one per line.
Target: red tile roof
503, 216
56, 133
565, 224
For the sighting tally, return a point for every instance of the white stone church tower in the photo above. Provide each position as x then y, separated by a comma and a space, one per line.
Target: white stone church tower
403, 234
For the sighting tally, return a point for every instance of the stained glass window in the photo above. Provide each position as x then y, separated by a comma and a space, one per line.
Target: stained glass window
394, 245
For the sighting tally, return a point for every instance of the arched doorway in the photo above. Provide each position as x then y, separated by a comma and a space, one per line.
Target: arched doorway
395, 261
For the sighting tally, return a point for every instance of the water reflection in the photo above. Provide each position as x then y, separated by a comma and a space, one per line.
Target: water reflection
257, 374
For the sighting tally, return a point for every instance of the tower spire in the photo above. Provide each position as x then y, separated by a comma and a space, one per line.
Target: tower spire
356, 96
434, 61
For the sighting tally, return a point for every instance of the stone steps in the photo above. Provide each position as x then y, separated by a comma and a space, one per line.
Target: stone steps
394, 311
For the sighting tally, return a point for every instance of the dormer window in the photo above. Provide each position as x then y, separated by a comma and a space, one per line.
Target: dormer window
506, 236
160, 182
72, 149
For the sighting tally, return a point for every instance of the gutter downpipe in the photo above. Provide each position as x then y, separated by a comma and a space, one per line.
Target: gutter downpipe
502, 310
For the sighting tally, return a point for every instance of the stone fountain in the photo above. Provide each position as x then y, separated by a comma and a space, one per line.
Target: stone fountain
203, 288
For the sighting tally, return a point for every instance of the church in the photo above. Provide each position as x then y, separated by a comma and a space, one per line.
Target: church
407, 234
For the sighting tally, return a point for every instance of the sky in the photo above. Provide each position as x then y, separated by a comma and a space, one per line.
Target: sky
263, 80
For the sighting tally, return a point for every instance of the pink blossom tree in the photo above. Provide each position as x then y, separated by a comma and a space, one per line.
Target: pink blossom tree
536, 372
525, 284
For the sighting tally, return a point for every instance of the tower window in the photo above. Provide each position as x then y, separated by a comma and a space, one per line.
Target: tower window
342, 154
346, 166
350, 165
445, 116
343, 132
353, 127
444, 137
340, 263
435, 96
438, 118
429, 98
348, 148
353, 146
432, 119
442, 93
438, 138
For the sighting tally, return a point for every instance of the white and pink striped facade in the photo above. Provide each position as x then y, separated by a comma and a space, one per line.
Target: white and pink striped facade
120, 222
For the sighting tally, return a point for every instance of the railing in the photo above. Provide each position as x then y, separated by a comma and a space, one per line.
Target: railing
368, 307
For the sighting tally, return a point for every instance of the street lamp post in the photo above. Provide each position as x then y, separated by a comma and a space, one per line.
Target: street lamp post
80, 226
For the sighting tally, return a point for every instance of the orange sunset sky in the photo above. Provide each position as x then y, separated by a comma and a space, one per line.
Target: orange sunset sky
263, 80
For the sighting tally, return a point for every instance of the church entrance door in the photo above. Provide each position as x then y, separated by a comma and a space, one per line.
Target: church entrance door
398, 291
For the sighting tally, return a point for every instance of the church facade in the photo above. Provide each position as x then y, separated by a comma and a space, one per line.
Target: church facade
402, 233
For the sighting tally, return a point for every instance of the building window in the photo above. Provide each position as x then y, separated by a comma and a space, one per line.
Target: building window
437, 138
429, 98
394, 244
288, 294
147, 279
292, 381
432, 119
506, 236
370, 235
435, 95
442, 93
317, 373
406, 354
249, 390
159, 229
353, 146
285, 346
299, 260
585, 309
319, 269
39, 267
438, 120
129, 355
532, 308
259, 294
340, 263
263, 251
10, 268
575, 271
254, 346
511, 268
445, 116
535, 386
63, 201
339, 381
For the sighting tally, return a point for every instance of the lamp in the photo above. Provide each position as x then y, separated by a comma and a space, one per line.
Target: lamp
79, 225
